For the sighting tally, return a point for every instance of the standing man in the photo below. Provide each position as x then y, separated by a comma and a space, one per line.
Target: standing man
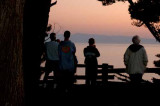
52, 58
67, 52
91, 53
135, 60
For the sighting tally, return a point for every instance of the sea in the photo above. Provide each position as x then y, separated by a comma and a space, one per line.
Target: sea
113, 53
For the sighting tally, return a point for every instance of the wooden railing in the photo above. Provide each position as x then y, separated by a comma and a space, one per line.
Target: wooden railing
104, 70
122, 70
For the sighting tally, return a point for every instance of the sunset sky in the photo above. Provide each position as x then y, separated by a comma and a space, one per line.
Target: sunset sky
90, 17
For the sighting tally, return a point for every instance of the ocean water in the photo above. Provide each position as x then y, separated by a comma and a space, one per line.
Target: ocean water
113, 53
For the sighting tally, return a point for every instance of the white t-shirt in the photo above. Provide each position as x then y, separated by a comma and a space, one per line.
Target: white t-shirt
52, 50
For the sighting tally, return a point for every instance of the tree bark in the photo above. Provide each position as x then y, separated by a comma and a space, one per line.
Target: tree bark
21, 46
11, 73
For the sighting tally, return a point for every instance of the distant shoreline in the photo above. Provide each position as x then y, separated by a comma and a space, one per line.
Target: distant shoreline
117, 43
83, 38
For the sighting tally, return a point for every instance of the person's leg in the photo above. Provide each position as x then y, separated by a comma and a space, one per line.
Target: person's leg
87, 75
67, 80
132, 78
46, 76
61, 82
56, 71
93, 76
139, 78
47, 71
61, 79
136, 78
70, 79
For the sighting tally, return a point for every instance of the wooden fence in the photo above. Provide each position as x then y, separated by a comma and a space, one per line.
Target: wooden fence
104, 70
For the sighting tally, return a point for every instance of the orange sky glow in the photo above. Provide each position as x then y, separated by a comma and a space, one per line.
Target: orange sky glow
90, 17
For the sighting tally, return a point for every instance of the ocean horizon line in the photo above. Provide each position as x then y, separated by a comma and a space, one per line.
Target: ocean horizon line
83, 38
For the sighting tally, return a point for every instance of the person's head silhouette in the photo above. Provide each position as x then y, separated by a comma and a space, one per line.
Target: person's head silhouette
91, 41
53, 36
136, 40
67, 35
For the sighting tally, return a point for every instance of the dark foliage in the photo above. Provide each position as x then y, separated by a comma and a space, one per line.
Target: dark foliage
146, 10
110, 2
143, 12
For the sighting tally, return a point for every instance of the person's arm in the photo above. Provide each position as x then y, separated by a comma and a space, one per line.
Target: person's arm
126, 57
97, 53
74, 48
145, 57
84, 52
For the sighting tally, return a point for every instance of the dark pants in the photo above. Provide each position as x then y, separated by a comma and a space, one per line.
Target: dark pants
51, 66
136, 78
91, 74
66, 79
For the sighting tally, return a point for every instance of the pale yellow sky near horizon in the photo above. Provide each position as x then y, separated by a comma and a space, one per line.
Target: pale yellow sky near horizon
90, 17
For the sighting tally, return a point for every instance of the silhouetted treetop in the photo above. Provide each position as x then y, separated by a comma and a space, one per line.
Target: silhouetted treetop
143, 12
110, 2
146, 10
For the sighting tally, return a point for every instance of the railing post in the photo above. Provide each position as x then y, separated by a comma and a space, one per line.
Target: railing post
104, 73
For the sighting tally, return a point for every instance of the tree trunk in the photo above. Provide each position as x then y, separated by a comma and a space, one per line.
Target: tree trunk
153, 31
36, 13
11, 73
21, 46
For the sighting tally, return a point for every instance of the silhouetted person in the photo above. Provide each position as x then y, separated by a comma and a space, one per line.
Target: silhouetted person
91, 53
135, 60
52, 57
67, 52
58, 40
